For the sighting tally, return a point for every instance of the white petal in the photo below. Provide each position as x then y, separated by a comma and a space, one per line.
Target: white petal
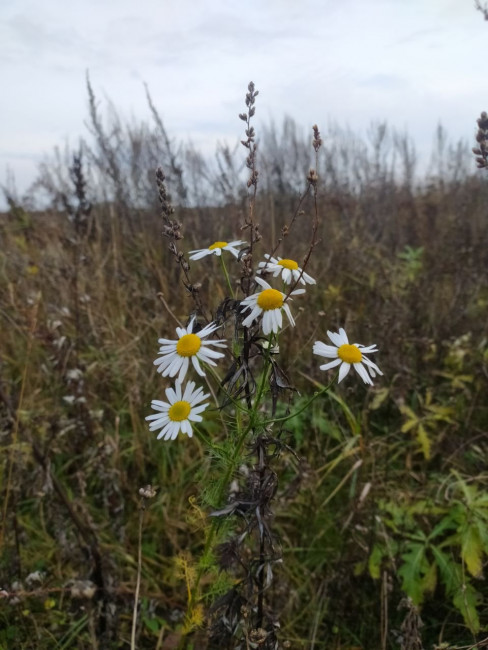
178, 389
343, 371
372, 365
154, 416
189, 388
324, 350
278, 316
165, 430
331, 364
207, 352
196, 410
307, 278
361, 370
366, 350
175, 431
336, 338
173, 368
262, 282
208, 329
250, 301
197, 366
158, 405
252, 316
184, 369
267, 324
343, 336
171, 395
203, 253
167, 342
198, 397
288, 313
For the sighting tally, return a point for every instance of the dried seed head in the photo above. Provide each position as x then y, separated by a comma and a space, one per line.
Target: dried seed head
258, 636
312, 177
148, 492
317, 140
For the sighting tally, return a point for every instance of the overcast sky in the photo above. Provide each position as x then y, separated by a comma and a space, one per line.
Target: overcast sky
412, 62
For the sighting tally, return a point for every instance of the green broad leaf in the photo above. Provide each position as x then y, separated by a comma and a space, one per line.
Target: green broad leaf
450, 571
483, 530
152, 624
446, 523
464, 596
429, 582
466, 600
416, 573
472, 548
424, 441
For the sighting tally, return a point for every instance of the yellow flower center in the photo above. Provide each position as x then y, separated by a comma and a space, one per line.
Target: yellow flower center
270, 299
288, 264
218, 244
179, 411
349, 353
188, 345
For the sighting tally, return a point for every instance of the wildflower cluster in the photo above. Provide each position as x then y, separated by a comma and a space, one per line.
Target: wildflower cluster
267, 305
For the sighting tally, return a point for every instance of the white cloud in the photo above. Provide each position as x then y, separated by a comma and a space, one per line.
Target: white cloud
413, 63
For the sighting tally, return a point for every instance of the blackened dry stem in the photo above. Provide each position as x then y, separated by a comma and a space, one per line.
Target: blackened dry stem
285, 230
250, 145
312, 180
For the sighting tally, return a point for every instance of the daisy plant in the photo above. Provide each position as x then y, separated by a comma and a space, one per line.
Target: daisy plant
175, 356
345, 355
177, 414
216, 249
270, 303
286, 268
249, 326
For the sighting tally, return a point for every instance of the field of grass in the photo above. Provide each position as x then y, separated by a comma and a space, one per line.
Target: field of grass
379, 514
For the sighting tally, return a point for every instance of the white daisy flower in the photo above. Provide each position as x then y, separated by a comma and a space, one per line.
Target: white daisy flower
178, 414
289, 269
347, 355
268, 302
175, 355
216, 249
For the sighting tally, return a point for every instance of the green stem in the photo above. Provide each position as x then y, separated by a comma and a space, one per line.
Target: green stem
323, 390
224, 269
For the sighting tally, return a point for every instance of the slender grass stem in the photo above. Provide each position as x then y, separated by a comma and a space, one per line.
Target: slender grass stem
224, 269
142, 508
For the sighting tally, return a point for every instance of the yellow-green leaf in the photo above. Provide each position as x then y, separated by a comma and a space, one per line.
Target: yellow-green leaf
472, 549
424, 441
